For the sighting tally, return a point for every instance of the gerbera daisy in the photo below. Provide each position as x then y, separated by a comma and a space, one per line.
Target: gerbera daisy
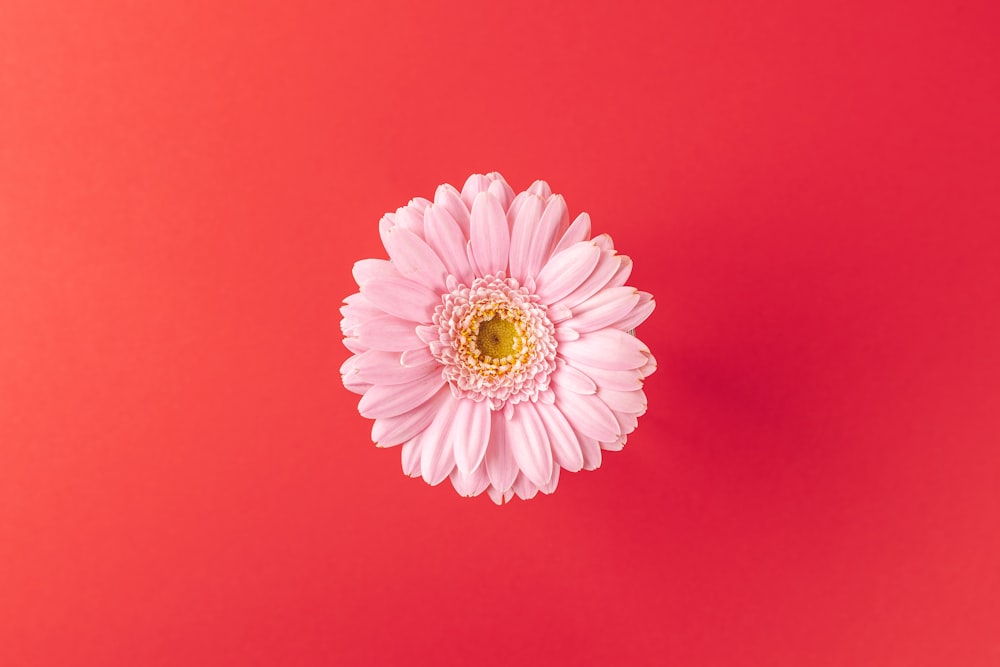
495, 344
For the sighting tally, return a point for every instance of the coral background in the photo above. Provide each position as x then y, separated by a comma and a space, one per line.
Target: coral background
809, 189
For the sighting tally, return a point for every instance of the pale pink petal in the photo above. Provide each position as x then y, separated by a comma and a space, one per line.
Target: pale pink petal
578, 231
500, 497
470, 484
569, 377
615, 445
627, 421
621, 276
591, 453
515, 208
414, 259
417, 357
392, 400
553, 482
419, 204
500, 463
450, 200
605, 243
558, 313
354, 346
528, 215
437, 458
350, 377
470, 434
446, 238
566, 271
650, 367
490, 235
638, 315
623, 401
524, 488
606, 268
545, 234
410, 455
588, 414
622, 380
403, 298
474, 185
388, 333
610, 349
411, 219
564, 442
500, 189
564, 333
380, 367
530, 443
540, 188
390, 431
366, 270
604, 309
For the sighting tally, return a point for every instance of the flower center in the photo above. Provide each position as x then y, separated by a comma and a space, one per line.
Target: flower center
495, 341
498, 338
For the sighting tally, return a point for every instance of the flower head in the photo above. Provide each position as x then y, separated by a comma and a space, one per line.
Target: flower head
494, 345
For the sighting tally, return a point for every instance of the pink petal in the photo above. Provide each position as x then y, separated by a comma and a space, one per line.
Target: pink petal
499, 497
530, 443
587, 414
540, 188
604, 242
623, 380
437, 457
419, 204
392, 400
490, 236
474, 185
380, 367
448, 198
410, 456
565, 333
523, 487
417, 357
610, 349
565, 444
390, 431
604, 309
566, 271
553, 482
350, 377
545, 234
515, 207
411, 219
354, 346
638, 315
528, 216
388, 333
606, 268
414, 259
615, 445
577, 232
500, 463
650, 366
446, 238
366, 270
470, 484
623, 401
572, 379
403, 298
500, 189
470, 434
622, 274
627, 422
591, 453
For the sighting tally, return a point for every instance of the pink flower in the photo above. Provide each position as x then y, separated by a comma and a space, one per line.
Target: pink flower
495, 344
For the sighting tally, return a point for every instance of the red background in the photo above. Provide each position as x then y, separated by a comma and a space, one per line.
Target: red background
809, 189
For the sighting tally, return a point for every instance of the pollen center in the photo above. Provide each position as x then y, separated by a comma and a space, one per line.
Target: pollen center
498, 338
